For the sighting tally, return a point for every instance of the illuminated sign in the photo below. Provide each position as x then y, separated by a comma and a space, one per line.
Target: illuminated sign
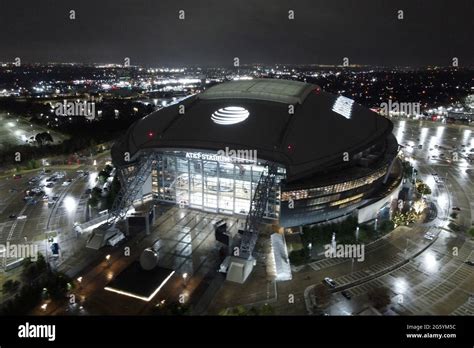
230, 115
225, 156
343, 106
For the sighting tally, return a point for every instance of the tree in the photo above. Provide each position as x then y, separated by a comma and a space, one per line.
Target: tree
379, 297
407, 169
422, 188
471, 232
10, 286
240, 310
386, 226
33, 270
299, 257
104, 173
43, 138
32, 164
266, 309
57, 285
172, 308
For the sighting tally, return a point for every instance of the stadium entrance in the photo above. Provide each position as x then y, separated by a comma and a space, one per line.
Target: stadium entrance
209, 182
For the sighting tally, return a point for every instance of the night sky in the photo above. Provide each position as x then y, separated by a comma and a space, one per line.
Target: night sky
257, 31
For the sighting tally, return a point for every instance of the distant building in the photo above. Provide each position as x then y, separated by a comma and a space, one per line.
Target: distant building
461, 116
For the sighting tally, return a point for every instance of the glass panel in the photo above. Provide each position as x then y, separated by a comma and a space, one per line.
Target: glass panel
182, 181
195, 167
226, 187
210, 185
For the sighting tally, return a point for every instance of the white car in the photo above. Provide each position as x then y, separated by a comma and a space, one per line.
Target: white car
330, 282
21, 217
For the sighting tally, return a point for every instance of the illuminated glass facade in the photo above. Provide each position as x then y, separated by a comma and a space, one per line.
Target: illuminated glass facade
201, 181
335, 188
195, 181
329, 201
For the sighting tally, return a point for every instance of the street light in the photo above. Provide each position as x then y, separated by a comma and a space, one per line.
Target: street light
107, 259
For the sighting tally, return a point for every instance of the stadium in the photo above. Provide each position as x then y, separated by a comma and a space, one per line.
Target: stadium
285, 149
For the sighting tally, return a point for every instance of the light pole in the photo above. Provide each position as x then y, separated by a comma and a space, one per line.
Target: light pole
185, 277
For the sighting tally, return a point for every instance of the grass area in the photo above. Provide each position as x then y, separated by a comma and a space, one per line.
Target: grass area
471, 232
321, 235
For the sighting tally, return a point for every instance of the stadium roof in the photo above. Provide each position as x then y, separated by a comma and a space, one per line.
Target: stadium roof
255, 115
280, 91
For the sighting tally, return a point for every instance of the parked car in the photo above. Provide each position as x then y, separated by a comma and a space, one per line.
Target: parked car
330, 282
346, 294
429, 236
